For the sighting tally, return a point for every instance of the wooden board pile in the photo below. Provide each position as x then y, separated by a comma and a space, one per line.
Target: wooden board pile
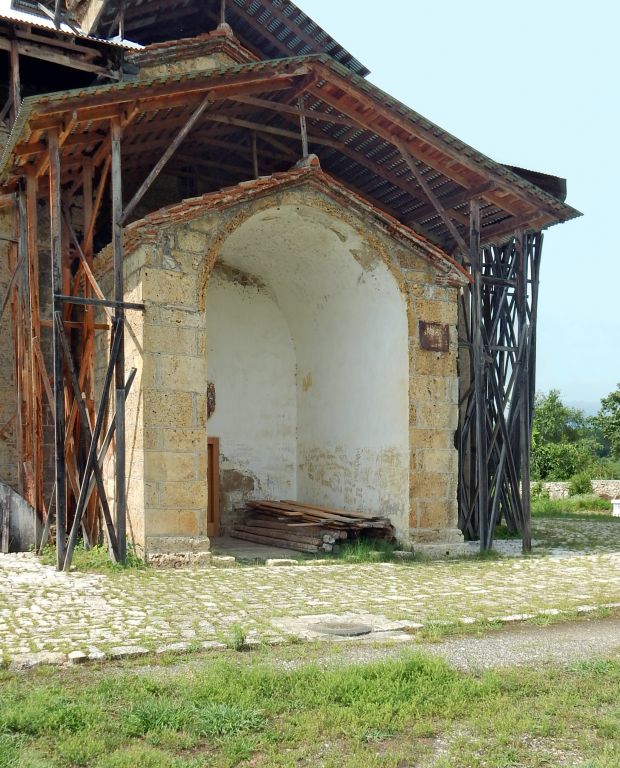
307, 527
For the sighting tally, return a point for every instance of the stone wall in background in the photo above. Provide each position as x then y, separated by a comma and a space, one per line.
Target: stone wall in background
608, 488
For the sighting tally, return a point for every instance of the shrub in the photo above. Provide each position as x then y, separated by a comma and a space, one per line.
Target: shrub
580, 484
538, 490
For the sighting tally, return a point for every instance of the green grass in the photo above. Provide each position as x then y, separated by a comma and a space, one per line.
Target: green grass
366, 551
95, 560
573, 506
245, 710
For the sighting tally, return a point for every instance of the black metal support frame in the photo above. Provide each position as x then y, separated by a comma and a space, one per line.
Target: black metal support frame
497, 357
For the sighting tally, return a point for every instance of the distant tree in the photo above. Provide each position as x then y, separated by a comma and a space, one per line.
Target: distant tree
564, 441
608, 420
556, 422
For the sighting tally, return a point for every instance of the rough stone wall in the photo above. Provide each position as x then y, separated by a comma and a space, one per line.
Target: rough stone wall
166, 440
166, 414
433, 409
610, 489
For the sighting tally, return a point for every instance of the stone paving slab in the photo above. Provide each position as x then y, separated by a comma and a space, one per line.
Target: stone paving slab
135, 611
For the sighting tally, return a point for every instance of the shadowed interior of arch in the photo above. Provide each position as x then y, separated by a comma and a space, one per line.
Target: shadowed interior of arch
307, 346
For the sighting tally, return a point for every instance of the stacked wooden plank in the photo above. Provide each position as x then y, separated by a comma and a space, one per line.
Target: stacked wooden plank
307, 527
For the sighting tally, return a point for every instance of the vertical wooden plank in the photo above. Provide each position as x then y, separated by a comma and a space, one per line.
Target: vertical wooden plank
213, 481
119, 314
59, 394
4, 522
255, 154
35, 331
26, 354
15, 79
303, 127
16, 316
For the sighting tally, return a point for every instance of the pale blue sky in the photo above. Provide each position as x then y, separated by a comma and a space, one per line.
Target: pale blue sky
532, 83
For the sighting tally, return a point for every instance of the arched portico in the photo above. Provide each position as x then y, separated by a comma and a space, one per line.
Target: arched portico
305, 308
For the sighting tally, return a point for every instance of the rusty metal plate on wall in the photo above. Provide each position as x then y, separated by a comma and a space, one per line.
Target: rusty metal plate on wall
434, 336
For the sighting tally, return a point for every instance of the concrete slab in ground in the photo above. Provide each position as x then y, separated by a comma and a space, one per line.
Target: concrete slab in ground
250, 551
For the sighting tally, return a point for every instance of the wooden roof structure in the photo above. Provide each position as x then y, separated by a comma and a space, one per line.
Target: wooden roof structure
389, 154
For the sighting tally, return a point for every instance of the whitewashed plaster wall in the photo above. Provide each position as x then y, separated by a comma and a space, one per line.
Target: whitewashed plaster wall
251, 360
348, 333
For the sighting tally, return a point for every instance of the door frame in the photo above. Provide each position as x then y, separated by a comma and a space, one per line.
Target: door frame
213, 487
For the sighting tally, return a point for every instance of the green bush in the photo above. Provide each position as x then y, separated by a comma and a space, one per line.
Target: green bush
538, 490
580, 484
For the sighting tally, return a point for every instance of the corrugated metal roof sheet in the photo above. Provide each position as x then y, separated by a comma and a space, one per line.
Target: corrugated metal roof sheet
10, 14
271, 28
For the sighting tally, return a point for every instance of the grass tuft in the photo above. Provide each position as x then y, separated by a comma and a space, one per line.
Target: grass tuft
95, 560
574, 506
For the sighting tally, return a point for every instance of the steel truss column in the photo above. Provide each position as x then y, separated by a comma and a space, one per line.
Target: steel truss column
498, 317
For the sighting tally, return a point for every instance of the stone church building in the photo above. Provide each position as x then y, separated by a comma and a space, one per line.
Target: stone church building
287, 249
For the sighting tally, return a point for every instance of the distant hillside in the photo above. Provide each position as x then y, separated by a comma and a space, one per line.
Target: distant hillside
589, 407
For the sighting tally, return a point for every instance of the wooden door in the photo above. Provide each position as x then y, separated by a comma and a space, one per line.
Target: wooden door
213, 479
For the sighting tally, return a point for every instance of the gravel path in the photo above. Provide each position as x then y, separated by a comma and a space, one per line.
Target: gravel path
515, 645
529, 645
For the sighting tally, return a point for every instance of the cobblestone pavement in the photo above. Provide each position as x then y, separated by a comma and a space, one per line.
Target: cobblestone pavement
43, 612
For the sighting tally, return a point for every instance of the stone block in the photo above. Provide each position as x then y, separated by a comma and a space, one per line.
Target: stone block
151, 494
170, 339
162, 466
167, 522
223, 561
436, 311
173, 544
168, 408
437, 514
433, 363
165, 286
202, 342
436, 415
434, 460
431, 438
200, 410
187, 374
187, 317
441, 550
429, 485
185, 439
192, 241
190, 495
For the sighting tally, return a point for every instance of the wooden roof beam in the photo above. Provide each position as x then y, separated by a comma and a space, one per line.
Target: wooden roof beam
47, 53
433, 199
160, 94
373, 110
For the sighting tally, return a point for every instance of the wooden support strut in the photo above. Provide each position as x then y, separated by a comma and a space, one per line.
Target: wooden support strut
159, 166
119, 314
433, 199
59, 395
92, 453
304, 129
